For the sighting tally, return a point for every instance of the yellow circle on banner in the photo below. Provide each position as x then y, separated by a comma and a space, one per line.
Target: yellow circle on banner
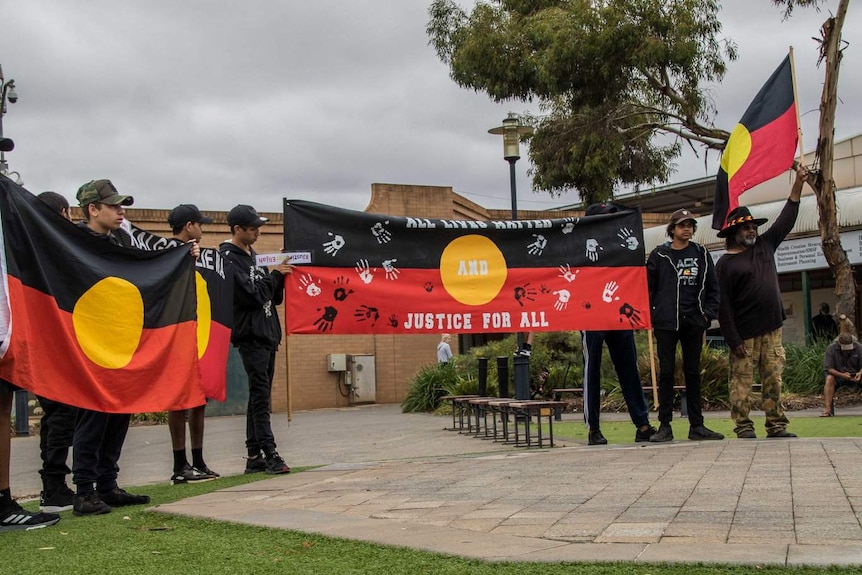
204, 314
473, 269
108, 321
736, 150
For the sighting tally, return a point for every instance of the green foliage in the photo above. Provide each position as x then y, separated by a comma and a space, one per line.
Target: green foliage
803, 374
609, 75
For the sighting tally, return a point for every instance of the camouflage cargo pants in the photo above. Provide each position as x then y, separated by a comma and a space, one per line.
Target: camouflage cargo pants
766, 355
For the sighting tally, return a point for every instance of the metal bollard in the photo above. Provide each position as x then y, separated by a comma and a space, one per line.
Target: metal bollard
22, 418
483, 377
503, 375
522, 377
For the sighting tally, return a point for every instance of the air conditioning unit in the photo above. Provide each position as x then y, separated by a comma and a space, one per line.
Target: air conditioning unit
362, 378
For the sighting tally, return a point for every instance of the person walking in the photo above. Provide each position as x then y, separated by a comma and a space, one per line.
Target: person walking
751, 314
683, 293
256, 332
444, 350
186, 221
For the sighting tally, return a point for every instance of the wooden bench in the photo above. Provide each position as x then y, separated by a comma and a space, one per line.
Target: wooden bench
460, 406
525, 411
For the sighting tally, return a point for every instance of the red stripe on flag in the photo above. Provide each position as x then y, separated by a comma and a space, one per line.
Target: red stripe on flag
44, 358
214, 362
772, 150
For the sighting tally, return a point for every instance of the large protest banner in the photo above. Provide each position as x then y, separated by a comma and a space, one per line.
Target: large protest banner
90, 323
363, 273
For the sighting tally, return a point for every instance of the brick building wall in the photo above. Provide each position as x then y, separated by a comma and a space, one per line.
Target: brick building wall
302, 358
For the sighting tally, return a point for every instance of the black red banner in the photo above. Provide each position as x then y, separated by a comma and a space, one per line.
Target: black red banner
368, 273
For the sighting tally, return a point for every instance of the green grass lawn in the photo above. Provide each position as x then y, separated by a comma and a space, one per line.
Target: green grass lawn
132, 540
624, 431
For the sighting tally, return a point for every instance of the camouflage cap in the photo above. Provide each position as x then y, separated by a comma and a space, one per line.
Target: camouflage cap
103, 192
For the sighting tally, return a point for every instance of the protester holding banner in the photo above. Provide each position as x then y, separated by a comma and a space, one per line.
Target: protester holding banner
621, 346
256, 332
57, 426
186, 221
99, 437
751, 313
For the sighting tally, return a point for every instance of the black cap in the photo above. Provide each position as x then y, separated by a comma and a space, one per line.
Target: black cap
187, 213
243, 215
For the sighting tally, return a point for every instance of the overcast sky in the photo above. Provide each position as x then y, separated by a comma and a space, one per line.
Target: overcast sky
225, 102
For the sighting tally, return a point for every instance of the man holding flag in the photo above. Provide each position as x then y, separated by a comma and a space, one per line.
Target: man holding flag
751, 313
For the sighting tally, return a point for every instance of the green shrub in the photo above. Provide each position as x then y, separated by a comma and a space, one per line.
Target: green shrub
804, 374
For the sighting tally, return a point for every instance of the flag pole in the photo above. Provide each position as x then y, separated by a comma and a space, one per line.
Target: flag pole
796, 103
652, 370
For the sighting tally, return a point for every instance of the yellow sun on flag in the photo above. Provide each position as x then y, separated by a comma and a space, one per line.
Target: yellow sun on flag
108, 321
473, 269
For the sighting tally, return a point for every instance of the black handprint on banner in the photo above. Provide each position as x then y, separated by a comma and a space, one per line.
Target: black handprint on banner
429, 286
393, 320
524, 292
365, 313
631, 314
341, 292
324, 322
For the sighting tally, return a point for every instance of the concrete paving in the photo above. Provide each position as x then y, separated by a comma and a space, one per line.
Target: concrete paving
402, 479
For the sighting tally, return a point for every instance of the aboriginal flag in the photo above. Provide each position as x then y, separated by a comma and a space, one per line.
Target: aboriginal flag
361, 273
214, 309
761, 146
93, 324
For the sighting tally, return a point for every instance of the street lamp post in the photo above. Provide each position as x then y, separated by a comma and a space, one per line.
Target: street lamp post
7, 93
512, 130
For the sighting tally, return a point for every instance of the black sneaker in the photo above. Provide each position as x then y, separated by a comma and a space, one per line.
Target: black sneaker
781, 433
208, 471
189, 474
255, 464
595, 437
90, 504
746, 434
14, 518
61, 499
645, 435
117, 497
664, 433
702, 433
275, 465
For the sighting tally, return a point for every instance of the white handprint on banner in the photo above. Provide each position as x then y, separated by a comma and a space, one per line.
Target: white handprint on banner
538, 246
629, 241
382, 235
567, 274
309, 285
593, 248
391, 271
365, 273
562, 302
332, 246
610, 289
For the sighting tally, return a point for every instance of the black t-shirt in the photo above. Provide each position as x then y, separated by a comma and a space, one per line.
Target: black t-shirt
688, 275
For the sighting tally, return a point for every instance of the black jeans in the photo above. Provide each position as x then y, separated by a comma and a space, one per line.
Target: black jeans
97, 445
690, 338
55, 438
259, 363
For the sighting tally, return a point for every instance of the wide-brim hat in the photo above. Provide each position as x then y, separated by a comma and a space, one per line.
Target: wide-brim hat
739, 216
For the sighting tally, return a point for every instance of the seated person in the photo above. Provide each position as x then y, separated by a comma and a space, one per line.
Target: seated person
537, 386
842, 363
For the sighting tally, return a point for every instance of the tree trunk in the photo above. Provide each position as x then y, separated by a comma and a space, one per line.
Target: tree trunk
822, 181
